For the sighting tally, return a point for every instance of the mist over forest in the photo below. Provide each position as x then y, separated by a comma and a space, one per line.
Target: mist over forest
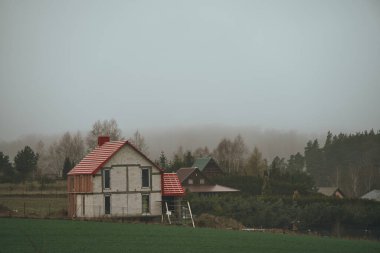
271, 142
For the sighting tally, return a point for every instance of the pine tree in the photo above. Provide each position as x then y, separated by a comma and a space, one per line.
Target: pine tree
188, 159
6, 170
67, 166
26, 163
163, 160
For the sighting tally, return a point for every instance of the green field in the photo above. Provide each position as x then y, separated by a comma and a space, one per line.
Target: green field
36, 235
35, 206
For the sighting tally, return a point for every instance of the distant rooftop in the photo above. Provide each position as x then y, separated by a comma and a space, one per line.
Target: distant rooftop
373, 195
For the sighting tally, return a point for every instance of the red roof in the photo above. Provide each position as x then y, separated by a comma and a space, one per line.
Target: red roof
96, 159
171, 186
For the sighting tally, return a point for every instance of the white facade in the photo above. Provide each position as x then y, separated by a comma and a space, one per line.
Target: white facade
126, 193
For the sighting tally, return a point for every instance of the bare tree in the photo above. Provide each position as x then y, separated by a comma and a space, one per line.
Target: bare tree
230, 154
239, 150
201, 152
77, 148
139, 142
55, 159
354, 173
71, 147
223, 154
43, 159
105, 127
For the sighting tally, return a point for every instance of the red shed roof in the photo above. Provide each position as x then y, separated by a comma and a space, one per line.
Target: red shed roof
96, 159
171, 186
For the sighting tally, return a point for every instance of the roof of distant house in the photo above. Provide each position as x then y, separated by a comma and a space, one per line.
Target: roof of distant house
210, 188
184, 173
171, 186
201, 163
98, 157
374, 195
328, 191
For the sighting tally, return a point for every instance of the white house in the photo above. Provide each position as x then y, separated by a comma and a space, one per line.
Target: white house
114, 180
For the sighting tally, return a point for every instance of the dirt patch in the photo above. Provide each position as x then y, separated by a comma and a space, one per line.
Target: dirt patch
211, 221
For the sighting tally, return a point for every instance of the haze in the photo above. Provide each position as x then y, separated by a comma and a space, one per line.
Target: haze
304, 66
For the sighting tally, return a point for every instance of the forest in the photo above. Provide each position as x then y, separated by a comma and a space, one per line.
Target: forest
348, 161
280, 193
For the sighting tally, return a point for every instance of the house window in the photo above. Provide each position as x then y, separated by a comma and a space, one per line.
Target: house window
145, 177
107, 204
145, 204
106, 179
190, 181
202, 181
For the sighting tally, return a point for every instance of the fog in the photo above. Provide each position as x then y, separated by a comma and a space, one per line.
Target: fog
191, 72
270, 142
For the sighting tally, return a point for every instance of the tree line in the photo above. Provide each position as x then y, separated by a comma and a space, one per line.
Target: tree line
348, 161
351, 162
56, 160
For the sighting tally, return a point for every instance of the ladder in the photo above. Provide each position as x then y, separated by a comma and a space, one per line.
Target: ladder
180, 217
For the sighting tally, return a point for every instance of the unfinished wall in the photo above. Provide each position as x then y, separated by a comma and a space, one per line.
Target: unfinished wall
125, 187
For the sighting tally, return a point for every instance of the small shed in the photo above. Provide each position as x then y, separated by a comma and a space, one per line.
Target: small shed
172, 193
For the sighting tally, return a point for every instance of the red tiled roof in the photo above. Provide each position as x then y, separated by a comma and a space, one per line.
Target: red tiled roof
171, 186
96, 159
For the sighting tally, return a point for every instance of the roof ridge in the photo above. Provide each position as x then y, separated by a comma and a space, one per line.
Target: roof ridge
96, 159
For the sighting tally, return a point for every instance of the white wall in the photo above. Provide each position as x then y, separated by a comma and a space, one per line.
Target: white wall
126, 196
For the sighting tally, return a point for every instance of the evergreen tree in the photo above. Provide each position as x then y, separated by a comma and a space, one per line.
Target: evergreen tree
314, 161
67, 166
256, 165
177, 163
163, 160
6, 170
26, 163
188, 159
350, 162
296, 163
266, 188
277, 167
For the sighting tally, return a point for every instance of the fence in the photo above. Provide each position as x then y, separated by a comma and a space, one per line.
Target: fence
34, 206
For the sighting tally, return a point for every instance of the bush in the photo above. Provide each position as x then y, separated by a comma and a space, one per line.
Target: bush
306, 213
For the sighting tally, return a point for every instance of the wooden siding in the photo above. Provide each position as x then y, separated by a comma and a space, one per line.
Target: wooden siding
79, 183
212, 169
71, 210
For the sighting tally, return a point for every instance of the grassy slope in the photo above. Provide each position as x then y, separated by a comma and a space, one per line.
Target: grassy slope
27, 235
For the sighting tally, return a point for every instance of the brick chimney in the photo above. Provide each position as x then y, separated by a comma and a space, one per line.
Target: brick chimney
102, 140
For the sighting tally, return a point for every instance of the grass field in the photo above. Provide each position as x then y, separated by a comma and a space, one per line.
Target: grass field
33, 188
36, 235
35, 206
30, 200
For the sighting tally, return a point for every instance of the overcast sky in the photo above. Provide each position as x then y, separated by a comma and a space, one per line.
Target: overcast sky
293, 65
